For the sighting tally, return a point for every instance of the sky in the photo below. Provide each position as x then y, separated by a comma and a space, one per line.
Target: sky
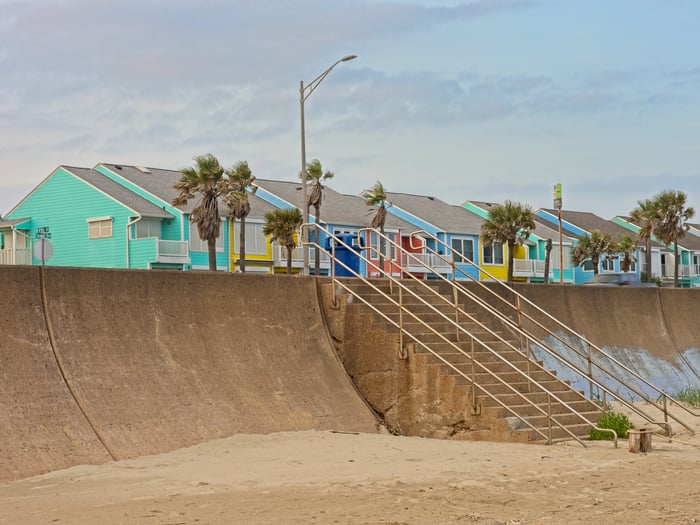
486, 100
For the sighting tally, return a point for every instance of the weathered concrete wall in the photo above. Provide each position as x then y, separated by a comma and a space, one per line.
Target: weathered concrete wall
161, 360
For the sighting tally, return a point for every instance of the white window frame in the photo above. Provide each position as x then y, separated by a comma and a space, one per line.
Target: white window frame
389, 248
255, 241
150, 225
493, 248
100, 227
458, 254
199, 245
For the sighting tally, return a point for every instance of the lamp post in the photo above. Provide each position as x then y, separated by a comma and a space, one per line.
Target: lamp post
304, 93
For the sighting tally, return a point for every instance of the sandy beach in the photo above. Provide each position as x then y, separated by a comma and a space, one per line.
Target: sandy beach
337, 477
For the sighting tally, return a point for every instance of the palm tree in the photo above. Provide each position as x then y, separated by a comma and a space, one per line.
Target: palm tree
592, 247
240, 179
282, 225
205, 180
315, 178
672, 216
510, 223
645, 217
625, 246
377, 197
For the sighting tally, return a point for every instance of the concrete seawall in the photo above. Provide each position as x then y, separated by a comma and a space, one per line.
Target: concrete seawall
118, 364
97, 365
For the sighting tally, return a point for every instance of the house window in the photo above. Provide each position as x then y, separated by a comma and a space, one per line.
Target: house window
462, 249
255, 241
389, 248
99, 228
493, 253
198, 245
607, 264
147, 228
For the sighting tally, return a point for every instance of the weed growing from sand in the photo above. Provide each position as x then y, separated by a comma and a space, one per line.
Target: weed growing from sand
620, 423
690, 395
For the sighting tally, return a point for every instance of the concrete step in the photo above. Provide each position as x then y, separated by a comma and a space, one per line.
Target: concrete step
520, 406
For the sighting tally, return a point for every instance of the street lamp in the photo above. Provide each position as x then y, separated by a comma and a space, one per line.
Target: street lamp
304, 93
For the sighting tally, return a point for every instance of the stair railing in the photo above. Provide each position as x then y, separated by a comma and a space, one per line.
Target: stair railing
339, 285
587, 356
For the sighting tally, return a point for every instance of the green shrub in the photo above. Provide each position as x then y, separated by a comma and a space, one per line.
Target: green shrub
612, 420
690, 395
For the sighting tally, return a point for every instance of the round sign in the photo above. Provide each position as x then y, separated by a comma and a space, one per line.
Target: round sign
43, 250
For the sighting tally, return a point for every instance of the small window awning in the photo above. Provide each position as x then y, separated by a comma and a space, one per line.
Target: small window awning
13, 223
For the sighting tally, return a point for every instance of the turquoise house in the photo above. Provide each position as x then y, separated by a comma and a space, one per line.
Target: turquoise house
577, 224
91, 221
158, 187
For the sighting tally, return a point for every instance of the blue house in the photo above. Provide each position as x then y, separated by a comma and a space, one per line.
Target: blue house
456, 229
340, 214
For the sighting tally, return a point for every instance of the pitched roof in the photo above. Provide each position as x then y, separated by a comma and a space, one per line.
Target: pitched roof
118, 192
545, 230
446, 217
156, 181
589, 221
336, 208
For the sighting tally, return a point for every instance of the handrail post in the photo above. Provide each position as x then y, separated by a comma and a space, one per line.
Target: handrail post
473, 360
456, 305
549, 417
590, 370
401, 318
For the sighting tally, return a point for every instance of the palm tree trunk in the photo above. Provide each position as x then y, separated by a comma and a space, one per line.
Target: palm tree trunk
511, 246
594, 262
647, 256
317, 251
289, 259
675, 264
211, 248
241, 251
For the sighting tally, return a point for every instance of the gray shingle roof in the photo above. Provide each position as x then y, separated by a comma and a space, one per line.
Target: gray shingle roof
446, 217
336, 208
118, 192
156, 181
589, 221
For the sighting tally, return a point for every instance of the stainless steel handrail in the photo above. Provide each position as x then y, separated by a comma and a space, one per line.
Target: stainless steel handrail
572, 332
393, 281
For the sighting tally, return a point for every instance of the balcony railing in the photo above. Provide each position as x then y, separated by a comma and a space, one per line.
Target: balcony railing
172, 248
279, 255
528, 268
417, 262
20, 256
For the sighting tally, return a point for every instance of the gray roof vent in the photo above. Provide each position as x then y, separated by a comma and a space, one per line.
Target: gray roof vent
142, 169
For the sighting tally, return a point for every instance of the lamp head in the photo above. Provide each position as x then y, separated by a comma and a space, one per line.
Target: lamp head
349, 57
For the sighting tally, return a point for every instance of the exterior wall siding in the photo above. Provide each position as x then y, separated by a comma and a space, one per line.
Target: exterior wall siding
68, 224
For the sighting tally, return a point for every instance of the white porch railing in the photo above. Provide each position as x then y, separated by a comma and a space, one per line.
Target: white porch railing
417, 263
528, 268
279, 256
21, 256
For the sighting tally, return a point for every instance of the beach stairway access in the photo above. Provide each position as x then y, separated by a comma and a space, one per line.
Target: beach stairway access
438, 333
438, 368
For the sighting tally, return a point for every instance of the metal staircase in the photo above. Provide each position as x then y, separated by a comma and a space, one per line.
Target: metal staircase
483, 336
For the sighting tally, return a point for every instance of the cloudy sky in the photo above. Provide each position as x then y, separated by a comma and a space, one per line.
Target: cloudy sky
463, 100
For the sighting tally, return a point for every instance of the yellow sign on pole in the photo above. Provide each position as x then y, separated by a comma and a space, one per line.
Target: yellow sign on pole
557, 196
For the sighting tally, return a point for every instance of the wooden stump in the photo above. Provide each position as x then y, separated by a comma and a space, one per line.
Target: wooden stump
640, 440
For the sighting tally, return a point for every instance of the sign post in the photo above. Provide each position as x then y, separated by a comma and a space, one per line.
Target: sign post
43, 249
557, 206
